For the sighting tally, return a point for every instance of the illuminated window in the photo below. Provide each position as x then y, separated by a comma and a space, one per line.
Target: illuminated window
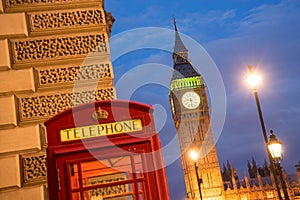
270, 194
244, 197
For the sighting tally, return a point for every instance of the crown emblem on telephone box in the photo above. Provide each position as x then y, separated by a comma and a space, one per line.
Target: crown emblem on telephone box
100, 114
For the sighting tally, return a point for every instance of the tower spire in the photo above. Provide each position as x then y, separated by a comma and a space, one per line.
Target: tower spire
182, 63
179, 46
175, 25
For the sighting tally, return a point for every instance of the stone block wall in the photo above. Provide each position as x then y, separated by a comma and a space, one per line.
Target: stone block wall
54, 54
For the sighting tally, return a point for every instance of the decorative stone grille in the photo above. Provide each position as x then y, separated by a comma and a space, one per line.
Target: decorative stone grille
69, 74
58, 48
34, 168
66, 19
39, 3
40, 107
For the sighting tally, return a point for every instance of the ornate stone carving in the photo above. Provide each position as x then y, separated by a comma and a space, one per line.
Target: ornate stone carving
66, 19
44, 106
12, 3
27, 3
58, 48
69, 74
34, 168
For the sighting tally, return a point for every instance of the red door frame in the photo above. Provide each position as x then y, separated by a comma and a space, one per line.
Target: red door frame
117, 110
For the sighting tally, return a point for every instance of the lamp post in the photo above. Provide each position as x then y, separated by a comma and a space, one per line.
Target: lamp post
194, 156
253, 81
275, 148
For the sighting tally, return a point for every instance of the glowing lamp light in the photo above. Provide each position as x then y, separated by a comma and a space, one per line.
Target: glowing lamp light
194, 155
275, 146
253, 79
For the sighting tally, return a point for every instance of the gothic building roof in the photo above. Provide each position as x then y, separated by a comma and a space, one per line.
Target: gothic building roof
261, 176
293, 178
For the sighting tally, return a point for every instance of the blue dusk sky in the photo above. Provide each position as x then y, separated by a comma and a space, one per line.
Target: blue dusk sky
235, 33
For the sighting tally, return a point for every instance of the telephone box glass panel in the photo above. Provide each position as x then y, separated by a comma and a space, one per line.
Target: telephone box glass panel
117, 178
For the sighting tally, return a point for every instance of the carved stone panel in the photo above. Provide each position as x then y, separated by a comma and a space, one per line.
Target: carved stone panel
59, 47
64, 75
34, 168
26, 5
66, 19
37, 108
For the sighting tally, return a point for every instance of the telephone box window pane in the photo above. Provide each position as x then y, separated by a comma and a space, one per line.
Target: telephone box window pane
138, 166
92, 169
140, 186
141, 189
107, 179
115, 192
74, 176
76, 196
122, 163
106, 170
142, 197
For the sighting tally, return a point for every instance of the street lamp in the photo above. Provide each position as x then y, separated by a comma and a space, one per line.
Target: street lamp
253, 80
194, 156
275, 148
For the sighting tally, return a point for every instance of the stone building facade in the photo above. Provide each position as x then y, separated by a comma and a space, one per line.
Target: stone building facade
54, 54
258, 185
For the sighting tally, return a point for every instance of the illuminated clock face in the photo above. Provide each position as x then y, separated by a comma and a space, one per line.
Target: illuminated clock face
190, 100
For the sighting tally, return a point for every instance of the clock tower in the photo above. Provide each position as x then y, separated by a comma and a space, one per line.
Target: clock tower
191, 115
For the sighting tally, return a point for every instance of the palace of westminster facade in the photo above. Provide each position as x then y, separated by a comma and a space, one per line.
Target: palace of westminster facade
43, 44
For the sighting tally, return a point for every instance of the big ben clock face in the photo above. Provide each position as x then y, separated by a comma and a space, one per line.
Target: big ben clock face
190, 100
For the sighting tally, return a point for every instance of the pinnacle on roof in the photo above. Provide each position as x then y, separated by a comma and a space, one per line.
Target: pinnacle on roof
179, 46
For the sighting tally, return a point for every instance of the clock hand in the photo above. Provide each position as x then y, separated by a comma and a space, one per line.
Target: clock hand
191, 101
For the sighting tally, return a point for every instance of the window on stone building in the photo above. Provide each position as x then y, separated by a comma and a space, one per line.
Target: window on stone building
270, 194
244, 197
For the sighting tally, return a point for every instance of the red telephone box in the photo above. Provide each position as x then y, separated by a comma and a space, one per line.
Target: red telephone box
106, 150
